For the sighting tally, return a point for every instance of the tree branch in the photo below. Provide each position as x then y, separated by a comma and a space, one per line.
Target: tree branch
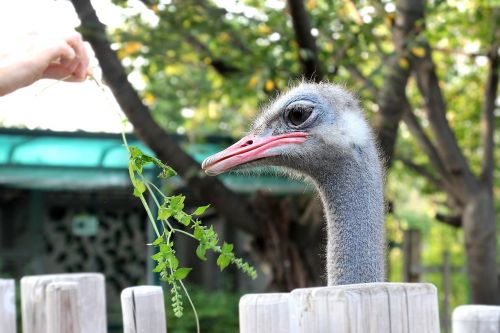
308, 52
451, 220
341, 53
421, 170
367, 83
447, 146
221, 66
232, 206
423, 140
219, 13
458, 52
488, 114
393, 92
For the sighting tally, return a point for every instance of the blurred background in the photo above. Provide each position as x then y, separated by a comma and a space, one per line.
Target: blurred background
427, 76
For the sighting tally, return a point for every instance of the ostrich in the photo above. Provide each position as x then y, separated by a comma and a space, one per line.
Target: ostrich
319, 131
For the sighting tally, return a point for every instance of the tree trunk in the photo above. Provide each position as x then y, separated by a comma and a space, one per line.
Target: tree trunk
392, 97
480, 243
233, 206
308, 52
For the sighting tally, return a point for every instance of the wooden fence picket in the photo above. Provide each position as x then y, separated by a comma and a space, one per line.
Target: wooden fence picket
8, 306
91, 305
143, 310
62, 308
371, 307
476, 319
76, 303
265, 313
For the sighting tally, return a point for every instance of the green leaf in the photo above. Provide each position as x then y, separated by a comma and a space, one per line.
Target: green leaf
157, 256
200, 210
210, 238
158, 241
223, 261
183, 218
172, 261
139, 188
167, 172
198, 232
200, 252
164, 248
181, 273
227, 248
164, 213
177, 203
159, 267
135, 152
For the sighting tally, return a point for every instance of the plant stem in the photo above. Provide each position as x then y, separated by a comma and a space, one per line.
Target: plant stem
151, 192
150, 215
156, 188
192, 306
52, 84
183, 232
147, 183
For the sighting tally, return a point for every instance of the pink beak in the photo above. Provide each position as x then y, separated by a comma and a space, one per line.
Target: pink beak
249, 148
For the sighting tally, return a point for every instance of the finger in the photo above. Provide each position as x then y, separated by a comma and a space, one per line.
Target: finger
79, 74
76, 42
60, 72
82, 56
85, 70
63, 53
73, 65
90, 71
86, 59
72, 60
57, 72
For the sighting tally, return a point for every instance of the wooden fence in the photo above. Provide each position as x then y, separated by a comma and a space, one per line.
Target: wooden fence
75, 303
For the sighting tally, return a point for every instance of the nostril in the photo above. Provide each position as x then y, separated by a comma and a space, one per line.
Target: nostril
248, 143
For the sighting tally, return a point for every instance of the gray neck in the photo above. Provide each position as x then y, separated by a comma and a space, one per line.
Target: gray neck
352, 194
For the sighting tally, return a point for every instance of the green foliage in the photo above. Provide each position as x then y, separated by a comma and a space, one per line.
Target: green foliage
217, 62
437, 238
171, 209
217, 312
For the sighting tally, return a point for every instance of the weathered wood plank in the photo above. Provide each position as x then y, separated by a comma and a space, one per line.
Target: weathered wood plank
265, 313
7, 306
371, 307
143, 310
476, 319
91, 305
62, 308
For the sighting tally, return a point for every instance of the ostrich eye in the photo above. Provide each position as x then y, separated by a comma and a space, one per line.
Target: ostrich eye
298, 114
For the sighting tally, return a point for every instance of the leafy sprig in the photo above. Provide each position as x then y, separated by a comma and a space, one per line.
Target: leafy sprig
171, 208
174, 219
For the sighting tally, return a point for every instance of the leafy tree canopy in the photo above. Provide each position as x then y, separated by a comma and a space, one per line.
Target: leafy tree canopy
209, 65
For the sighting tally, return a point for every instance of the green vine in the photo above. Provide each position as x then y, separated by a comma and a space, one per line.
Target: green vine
170, 212
173, 219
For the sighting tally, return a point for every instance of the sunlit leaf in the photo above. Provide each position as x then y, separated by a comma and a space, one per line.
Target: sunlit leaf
182, 273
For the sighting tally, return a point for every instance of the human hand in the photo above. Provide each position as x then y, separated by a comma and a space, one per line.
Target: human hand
36, 56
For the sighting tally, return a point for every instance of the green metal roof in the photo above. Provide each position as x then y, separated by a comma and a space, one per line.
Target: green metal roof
79, 160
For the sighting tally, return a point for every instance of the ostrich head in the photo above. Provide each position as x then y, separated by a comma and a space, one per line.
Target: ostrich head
319, 130
301, 130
